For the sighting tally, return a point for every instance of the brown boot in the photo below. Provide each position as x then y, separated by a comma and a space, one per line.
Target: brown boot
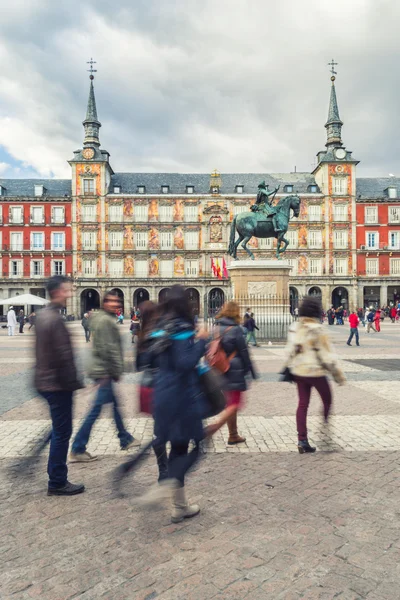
234, 437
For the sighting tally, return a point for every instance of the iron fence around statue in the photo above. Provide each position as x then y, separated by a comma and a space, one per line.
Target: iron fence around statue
272, 314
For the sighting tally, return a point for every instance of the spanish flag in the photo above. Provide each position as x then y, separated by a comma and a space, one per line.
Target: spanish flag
218, 268
213, 268
224, 268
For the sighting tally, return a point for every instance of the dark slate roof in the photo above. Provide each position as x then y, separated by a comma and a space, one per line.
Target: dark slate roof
374, 187
26, 187
177, 182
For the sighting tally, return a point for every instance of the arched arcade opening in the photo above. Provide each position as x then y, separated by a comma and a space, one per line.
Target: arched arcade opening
90, 300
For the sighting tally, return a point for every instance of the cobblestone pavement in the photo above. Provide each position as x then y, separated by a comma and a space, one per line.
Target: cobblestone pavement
274, 524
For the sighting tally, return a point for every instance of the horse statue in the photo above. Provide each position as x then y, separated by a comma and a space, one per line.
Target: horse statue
259, 224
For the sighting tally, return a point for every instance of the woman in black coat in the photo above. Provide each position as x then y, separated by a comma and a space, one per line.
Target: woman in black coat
234, 380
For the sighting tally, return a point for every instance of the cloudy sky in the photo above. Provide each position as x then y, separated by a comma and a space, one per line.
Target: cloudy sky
193, 85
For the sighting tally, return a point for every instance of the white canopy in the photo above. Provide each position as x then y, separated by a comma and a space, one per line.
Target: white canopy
24, 299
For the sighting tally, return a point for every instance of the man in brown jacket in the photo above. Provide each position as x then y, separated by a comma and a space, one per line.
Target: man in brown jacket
56, 380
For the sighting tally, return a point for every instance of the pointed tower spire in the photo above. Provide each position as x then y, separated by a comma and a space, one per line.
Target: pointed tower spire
91, 123
333, 124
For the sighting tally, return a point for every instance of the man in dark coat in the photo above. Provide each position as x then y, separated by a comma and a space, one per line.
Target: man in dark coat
85, 325
56, 379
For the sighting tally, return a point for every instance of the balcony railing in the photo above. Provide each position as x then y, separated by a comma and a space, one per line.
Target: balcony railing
45, 248
378, 247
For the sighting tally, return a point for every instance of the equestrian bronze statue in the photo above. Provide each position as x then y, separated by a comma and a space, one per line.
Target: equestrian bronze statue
264, 221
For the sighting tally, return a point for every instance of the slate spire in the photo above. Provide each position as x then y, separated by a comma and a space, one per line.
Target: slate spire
333, 124
91, 123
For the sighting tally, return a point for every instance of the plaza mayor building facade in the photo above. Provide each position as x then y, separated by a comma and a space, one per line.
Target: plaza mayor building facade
141, 233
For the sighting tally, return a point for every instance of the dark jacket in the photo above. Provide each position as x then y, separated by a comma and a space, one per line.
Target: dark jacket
107, 358
55, 368
233, 341
250, 324
178, 401
85, 323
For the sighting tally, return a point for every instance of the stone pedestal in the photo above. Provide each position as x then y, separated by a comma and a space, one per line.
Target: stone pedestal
263, 287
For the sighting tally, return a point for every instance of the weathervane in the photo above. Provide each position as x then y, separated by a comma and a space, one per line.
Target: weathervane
91, 62
333, 64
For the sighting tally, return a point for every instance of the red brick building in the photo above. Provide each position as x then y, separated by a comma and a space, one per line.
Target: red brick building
378, 240
35, 234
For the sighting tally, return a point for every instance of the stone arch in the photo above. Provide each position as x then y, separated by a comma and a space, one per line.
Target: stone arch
90, 300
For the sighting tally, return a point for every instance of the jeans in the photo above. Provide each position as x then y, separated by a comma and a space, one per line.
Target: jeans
60, 404
87, 335
304, 387
251, 336
21, 327
354, 332
160, 450
105, 395
180, 461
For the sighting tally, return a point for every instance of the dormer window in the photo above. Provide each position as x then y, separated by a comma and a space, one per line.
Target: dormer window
313, 189
392, 192
141, 189
288, 189
117, 189
189, 189
239, 189
215, 189
2, 191
165, 189
39, 190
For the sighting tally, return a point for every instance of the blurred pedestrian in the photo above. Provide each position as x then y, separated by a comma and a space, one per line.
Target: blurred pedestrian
135, 327
106, 366
296, 313
56, 379
11, 320
377, 319
21, 321
370, 315
178, 401
393, 314
85, 325
32, 320
251, 329
309, 358
354, 322
234, 380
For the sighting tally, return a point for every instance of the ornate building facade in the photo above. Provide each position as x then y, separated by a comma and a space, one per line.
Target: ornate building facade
140, 233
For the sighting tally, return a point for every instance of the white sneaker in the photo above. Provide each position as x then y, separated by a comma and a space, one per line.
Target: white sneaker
157, 493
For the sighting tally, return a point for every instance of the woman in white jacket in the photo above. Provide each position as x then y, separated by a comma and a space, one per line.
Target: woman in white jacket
310, 358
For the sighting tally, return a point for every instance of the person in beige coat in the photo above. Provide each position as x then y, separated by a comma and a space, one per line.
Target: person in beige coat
310, 358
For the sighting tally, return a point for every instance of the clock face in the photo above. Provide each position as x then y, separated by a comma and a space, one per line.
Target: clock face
340, 153
88, 153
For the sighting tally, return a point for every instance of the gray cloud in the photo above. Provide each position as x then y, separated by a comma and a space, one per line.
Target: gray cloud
194, 85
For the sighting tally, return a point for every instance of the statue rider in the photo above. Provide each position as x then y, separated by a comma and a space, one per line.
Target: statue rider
264, 204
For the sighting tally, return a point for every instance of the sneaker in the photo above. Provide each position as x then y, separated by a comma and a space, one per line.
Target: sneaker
81, 457
69, 489
131, 443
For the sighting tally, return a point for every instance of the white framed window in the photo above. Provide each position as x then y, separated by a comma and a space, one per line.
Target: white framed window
191, 268
37, 268
58, 241
288, 189
115, 213
165, 189
395, 266
189, 189
314, 212
37, 215
371, 214
88, 186
15, 268
191, 240
371, 266
293, 262
141, 240
372, 239
16, 241
37, 240
1, 243
89, 267
340, 186
58, 267
190, 213
340, 239
141, 268
340, 212
117, 189
166, 240
39, 190
392, 192
315, 266
89, 213
315, 238
166, 213
394, 240
57, 214
141, 189
293, 237
16, 215
340, 266
116, 240
239, 189
116, 267
265, 243
394, 214
239, 208
141, 213
89, 239
167, 268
